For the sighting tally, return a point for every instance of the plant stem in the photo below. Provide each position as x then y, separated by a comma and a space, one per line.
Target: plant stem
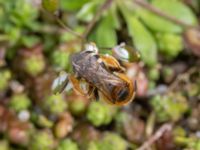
105, 6
89, 27
68, 29
159, 133
61, 23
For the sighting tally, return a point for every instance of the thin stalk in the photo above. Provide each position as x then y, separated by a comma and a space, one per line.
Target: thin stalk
68, 29
159, 12
90, 26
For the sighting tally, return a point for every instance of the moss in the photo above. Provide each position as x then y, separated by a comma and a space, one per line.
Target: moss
55, 104
41, 140
100, 114
67, 144
19, 102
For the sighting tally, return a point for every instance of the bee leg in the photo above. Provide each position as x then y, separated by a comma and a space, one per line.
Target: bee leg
111, 63
76, 85
90, 91
107, 99
135, 84
93, 93
96, 94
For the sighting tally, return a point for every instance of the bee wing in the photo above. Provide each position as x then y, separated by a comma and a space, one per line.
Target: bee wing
107, 84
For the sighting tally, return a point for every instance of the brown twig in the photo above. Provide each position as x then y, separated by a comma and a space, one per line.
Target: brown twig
61, 23
105, 6
159, 12
164, 128
89, 27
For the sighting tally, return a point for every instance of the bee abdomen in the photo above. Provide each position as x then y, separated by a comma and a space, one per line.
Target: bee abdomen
122, 94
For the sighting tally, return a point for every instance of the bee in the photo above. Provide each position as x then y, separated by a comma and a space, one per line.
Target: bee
103, 74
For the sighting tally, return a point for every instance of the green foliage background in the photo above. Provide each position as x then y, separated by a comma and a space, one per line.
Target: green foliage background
34, 48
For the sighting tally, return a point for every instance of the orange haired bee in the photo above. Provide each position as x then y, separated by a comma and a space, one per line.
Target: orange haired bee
103, 74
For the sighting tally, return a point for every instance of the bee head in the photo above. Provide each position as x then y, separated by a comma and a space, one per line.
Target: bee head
91, 47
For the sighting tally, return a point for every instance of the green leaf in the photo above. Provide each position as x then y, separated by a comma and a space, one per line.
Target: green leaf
72, 5
171, 7
114, 16
30, 41
87, 11
142, 39
170, 44
13, 34
105, 34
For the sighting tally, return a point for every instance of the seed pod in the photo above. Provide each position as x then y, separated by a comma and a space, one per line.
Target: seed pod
64, 125
131, 127
18, 133
136, 73
84, 134
192, 38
